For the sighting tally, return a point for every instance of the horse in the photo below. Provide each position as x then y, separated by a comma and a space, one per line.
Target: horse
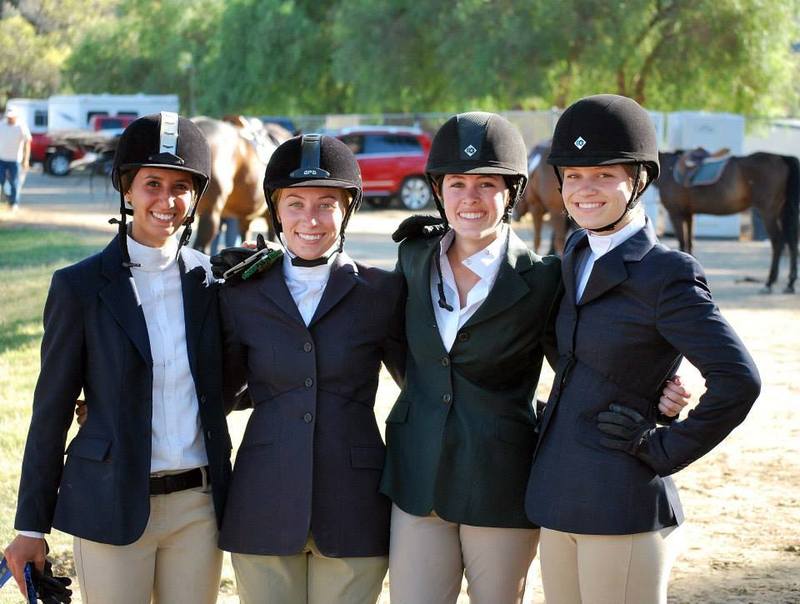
543, 196
768, 182
237, 173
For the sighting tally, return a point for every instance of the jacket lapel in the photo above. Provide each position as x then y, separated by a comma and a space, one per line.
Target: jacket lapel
197, 294
571, 255
273, 287
341, 280
122, 299
419, 281
610, 270
509, 287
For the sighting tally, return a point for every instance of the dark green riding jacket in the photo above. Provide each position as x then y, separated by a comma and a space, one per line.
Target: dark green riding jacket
460, 437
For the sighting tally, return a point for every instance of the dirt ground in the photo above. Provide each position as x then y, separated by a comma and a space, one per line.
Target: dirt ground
742, 501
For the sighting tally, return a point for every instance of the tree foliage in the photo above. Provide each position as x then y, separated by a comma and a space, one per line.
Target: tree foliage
301, 56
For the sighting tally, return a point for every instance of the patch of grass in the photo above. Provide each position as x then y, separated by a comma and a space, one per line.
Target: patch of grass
28, 258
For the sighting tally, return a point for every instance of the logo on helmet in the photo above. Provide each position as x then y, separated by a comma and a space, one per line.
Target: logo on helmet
580, 142
470, 151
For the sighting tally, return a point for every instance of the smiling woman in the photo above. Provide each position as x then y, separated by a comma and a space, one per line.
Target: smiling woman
160, 199
311, 219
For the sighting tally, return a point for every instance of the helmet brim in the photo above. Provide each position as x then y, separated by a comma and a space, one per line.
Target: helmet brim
137, 166
471, 168
327, 183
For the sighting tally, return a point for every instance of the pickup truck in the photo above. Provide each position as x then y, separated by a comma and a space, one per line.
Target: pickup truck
57, 150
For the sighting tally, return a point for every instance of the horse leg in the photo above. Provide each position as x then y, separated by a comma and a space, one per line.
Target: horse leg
679, 230
537, 214
689, 236
560, 229
792, 269
207, 229
775, 234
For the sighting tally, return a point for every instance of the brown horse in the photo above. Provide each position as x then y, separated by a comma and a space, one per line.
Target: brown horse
768, 182
237, 172
541, 197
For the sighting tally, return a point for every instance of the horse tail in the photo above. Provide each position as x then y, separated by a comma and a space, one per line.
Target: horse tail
791, 209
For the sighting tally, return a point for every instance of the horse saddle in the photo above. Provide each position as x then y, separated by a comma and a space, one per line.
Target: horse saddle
699, 167
256, 134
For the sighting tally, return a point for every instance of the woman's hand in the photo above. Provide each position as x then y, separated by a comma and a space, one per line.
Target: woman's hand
81, 412
674, 397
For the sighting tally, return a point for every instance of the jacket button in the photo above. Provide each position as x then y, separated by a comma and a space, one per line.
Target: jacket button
445, 361
208, 434
307, 347
309, 382
202, 398
463, 336
447, 397
307, 418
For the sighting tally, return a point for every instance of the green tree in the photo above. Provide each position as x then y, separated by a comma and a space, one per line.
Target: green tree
153, 46
272, 56
36, 37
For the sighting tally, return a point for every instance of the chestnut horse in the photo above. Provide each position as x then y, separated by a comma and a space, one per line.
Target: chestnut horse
237, 173
768, 182
542, 196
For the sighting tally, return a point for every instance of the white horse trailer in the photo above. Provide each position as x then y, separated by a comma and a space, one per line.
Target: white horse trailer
74, 111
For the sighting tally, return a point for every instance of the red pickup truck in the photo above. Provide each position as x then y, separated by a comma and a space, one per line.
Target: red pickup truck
56, 153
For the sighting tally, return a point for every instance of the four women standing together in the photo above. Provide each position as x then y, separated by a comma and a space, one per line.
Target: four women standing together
463, 324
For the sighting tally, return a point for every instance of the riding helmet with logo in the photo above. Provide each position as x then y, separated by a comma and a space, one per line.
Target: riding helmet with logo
163, 140
478, 142
160, 140
602, 130
605, 129
313, 160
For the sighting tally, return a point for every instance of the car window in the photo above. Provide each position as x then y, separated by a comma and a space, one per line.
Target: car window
390, 144
355, 142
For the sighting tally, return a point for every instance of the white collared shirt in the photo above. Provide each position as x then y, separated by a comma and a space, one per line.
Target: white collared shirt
600, 245
177, 435
306, 284
485, 264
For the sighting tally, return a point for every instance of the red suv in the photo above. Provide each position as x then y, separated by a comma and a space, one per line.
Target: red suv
392, 161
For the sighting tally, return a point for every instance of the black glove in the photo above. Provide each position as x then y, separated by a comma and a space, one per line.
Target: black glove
228, 258
49, 588
235, 264
627, 429
420, 225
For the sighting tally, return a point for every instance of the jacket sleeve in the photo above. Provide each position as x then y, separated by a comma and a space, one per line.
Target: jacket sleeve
688, 318
60, 382
394, 349
236, 396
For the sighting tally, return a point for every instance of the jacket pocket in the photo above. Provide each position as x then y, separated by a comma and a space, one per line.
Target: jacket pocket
367, 457
89, 447
399, 413
522, 434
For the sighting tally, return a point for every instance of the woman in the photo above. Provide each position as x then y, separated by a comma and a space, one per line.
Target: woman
304, 519
136, 328
599, 486
461, 434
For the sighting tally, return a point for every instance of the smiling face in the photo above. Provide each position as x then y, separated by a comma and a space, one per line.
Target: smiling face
311, 219
474, 205
161, 199
596, 196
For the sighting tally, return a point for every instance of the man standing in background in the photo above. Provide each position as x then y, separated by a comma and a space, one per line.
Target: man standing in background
15, 153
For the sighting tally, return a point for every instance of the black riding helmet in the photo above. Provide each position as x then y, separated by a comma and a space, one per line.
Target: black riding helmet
313, 160
478, 143
161, 140
602, 130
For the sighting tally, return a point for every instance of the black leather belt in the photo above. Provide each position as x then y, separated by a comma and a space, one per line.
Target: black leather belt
162, 485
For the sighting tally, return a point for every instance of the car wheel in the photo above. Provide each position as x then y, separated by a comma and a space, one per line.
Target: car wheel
378, 202
415, 194
57, 164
